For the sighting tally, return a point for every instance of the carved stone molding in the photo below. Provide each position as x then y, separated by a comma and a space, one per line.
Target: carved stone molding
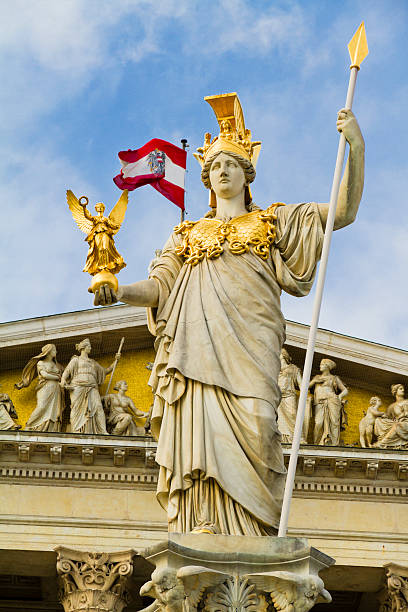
119, 457
215, 573
56, 454
24, 452
93, 582
106, 461
87, 456
395, 595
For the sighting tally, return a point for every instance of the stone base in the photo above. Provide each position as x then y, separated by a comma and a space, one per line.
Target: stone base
220, 573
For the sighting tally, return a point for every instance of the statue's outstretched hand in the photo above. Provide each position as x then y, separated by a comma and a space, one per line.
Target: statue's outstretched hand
105, 295
347, 124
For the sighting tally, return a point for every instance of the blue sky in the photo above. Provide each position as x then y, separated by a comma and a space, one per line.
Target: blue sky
83, 79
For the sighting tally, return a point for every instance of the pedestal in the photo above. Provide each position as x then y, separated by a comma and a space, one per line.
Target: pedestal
220, 573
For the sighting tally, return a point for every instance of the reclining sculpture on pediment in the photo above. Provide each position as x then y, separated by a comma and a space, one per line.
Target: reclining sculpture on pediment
8, 414
391, 428
47, 415
120, 410
367, 423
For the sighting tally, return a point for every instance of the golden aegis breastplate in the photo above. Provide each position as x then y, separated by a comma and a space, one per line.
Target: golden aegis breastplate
206, 238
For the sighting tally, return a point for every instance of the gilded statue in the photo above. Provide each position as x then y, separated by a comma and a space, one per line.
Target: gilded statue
8, 414
47, 415
367, 423
328, 401
391, 428
213, 300
83, 377
289, 381
103, 260
120, 410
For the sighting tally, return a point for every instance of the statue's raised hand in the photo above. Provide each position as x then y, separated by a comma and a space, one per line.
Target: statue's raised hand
347, 124
105, 296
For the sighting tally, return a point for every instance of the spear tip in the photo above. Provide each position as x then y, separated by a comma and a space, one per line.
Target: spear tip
358, 47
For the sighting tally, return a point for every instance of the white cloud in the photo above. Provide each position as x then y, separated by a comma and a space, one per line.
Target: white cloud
56, 52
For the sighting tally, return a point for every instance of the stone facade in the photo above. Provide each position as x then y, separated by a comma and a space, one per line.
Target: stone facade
96, 494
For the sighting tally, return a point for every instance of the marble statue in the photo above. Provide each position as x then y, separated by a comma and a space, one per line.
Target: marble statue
7, 413
120, 411
47, 415
366, 425
213, 301
82, 377
329, 414
289, 381
391, 428
155, 259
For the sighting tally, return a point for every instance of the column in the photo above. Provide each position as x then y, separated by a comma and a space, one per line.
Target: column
395, 596
93, 582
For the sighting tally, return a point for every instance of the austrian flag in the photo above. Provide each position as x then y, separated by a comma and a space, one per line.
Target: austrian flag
159, 164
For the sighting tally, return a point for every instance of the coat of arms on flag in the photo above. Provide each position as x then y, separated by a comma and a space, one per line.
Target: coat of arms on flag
158, 163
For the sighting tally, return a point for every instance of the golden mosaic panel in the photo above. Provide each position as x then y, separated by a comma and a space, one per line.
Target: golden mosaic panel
131, 367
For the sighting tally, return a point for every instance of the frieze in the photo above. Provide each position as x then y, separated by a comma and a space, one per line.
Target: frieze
101, 461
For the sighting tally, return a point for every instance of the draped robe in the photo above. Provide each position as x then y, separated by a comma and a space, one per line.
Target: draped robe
220, 329
47, 414
84, 376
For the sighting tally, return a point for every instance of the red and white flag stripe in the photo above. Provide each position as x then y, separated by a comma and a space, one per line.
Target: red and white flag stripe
158, 163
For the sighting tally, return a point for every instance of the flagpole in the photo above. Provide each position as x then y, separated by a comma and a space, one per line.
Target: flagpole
185, 146
358, 51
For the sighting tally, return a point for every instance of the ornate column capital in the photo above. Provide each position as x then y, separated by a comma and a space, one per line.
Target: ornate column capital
93, 581
395, 597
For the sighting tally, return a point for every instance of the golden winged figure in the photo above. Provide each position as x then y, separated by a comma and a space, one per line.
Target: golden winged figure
103, 260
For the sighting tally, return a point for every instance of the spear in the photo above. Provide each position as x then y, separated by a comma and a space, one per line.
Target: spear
358, 50
115, 363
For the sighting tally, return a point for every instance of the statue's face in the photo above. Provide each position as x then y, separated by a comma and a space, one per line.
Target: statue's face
87, 348
124, 386
53, 352
324, 366
400, 391
226, 176
100, 208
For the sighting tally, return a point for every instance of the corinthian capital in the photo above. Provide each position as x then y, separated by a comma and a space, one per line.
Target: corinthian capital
396, 592
93, 581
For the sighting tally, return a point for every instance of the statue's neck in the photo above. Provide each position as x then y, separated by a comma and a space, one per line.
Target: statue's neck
228, 208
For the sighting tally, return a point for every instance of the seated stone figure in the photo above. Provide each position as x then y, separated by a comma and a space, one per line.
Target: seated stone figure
366, 425
7, 413
391, 429
120, 410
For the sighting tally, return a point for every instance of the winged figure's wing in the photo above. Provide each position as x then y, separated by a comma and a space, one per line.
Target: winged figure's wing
118, 211
281, 586
196, 579
84, 223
